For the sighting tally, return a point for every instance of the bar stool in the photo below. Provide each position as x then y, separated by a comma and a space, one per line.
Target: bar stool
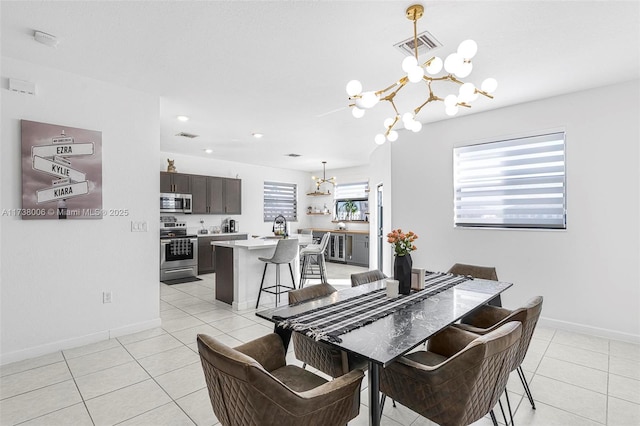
314, 252
286, 252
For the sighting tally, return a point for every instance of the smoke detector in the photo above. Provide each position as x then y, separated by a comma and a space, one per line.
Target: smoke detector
46, 39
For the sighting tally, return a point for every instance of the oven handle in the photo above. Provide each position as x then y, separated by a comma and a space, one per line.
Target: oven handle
174, 271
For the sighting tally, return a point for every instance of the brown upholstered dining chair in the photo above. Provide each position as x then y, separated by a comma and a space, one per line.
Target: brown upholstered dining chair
319, 355
252, 385
366, 277
458, 379
475, 271
488, 318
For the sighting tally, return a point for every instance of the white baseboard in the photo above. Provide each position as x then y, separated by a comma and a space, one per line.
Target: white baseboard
592, 331
61, 345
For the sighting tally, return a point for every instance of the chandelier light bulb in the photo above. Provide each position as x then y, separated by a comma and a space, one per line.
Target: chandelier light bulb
407, 117
388, 122
468, 49
354, 87
435, 66
450, 100
357, 112
451, 111
467, 90
464, 70
392, 136
409, 63
453, 63
489, 85
416, 126
415, 74
368, 100
379, 139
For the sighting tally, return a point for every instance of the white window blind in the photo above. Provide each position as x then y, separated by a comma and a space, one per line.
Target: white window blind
515, 183
351, 191
280, 199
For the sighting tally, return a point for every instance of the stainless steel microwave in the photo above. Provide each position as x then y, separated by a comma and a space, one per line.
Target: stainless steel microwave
175, 203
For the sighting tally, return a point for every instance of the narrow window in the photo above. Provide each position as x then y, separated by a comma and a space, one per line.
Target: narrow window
280, 199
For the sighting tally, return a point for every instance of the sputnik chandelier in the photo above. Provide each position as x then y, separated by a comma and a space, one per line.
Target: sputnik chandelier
457, 65
320, 180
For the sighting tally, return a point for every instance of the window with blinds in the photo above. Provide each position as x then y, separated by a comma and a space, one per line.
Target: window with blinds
515, 183
280, 199
352, 191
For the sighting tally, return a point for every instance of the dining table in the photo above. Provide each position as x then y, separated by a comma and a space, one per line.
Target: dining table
388, 327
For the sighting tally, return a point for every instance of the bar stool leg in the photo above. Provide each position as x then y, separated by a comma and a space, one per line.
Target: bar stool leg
303, 271
277, 284
323, 267
261, 284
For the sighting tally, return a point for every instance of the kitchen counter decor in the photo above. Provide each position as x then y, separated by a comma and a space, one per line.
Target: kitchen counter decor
402, 246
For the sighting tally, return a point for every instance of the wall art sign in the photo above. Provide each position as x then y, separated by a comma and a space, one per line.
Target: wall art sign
61, 172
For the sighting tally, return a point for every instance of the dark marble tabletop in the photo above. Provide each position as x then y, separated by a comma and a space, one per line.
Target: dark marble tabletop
394, 335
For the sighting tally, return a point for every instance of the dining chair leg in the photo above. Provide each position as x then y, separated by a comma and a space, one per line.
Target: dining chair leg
504, 416
293, 280
506, 395
304, 365
261, 284
382, 400
493, 418
523, 379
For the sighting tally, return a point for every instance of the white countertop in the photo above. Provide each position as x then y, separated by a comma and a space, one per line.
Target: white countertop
221, 234
253, 243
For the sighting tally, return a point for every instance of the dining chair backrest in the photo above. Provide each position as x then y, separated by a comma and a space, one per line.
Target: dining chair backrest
311, 292
481, 272
286, 251
252, 385
366, 277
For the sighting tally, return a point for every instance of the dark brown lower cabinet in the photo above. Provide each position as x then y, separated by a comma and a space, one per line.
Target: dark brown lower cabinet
206, 252
224, 274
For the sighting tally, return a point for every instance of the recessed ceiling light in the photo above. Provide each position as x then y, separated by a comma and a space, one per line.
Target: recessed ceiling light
208, 151
182, 118
257, 135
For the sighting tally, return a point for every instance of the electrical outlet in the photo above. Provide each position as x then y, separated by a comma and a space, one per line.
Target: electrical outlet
106, 297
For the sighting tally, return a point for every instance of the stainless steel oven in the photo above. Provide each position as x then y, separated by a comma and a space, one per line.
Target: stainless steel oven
178, 251
175, 203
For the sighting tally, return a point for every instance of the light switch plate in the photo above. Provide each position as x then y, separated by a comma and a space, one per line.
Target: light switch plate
139, 226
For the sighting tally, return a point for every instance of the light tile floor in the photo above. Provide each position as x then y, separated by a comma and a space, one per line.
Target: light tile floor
154, 377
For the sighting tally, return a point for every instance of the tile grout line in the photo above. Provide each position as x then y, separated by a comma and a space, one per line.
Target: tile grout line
73, 377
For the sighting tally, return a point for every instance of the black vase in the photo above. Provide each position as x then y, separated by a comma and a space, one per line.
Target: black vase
402, 272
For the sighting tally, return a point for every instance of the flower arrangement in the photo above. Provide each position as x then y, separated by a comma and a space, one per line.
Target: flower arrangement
402, 243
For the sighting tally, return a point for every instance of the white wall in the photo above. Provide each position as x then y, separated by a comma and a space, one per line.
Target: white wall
380, 174
251, 220
588, 274
54, 272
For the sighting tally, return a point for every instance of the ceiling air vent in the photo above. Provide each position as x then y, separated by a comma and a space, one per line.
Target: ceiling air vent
426, 43
294, 155
187, 135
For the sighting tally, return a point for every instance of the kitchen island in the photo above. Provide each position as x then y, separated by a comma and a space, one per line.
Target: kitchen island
239, 272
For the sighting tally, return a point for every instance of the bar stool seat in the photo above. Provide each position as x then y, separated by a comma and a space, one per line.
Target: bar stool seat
286, 252
310, 254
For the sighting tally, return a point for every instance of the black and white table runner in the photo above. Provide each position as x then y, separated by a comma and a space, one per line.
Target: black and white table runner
329, 322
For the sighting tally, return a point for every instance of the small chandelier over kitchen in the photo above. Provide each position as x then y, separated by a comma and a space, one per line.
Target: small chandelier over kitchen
323, 179
457, 65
